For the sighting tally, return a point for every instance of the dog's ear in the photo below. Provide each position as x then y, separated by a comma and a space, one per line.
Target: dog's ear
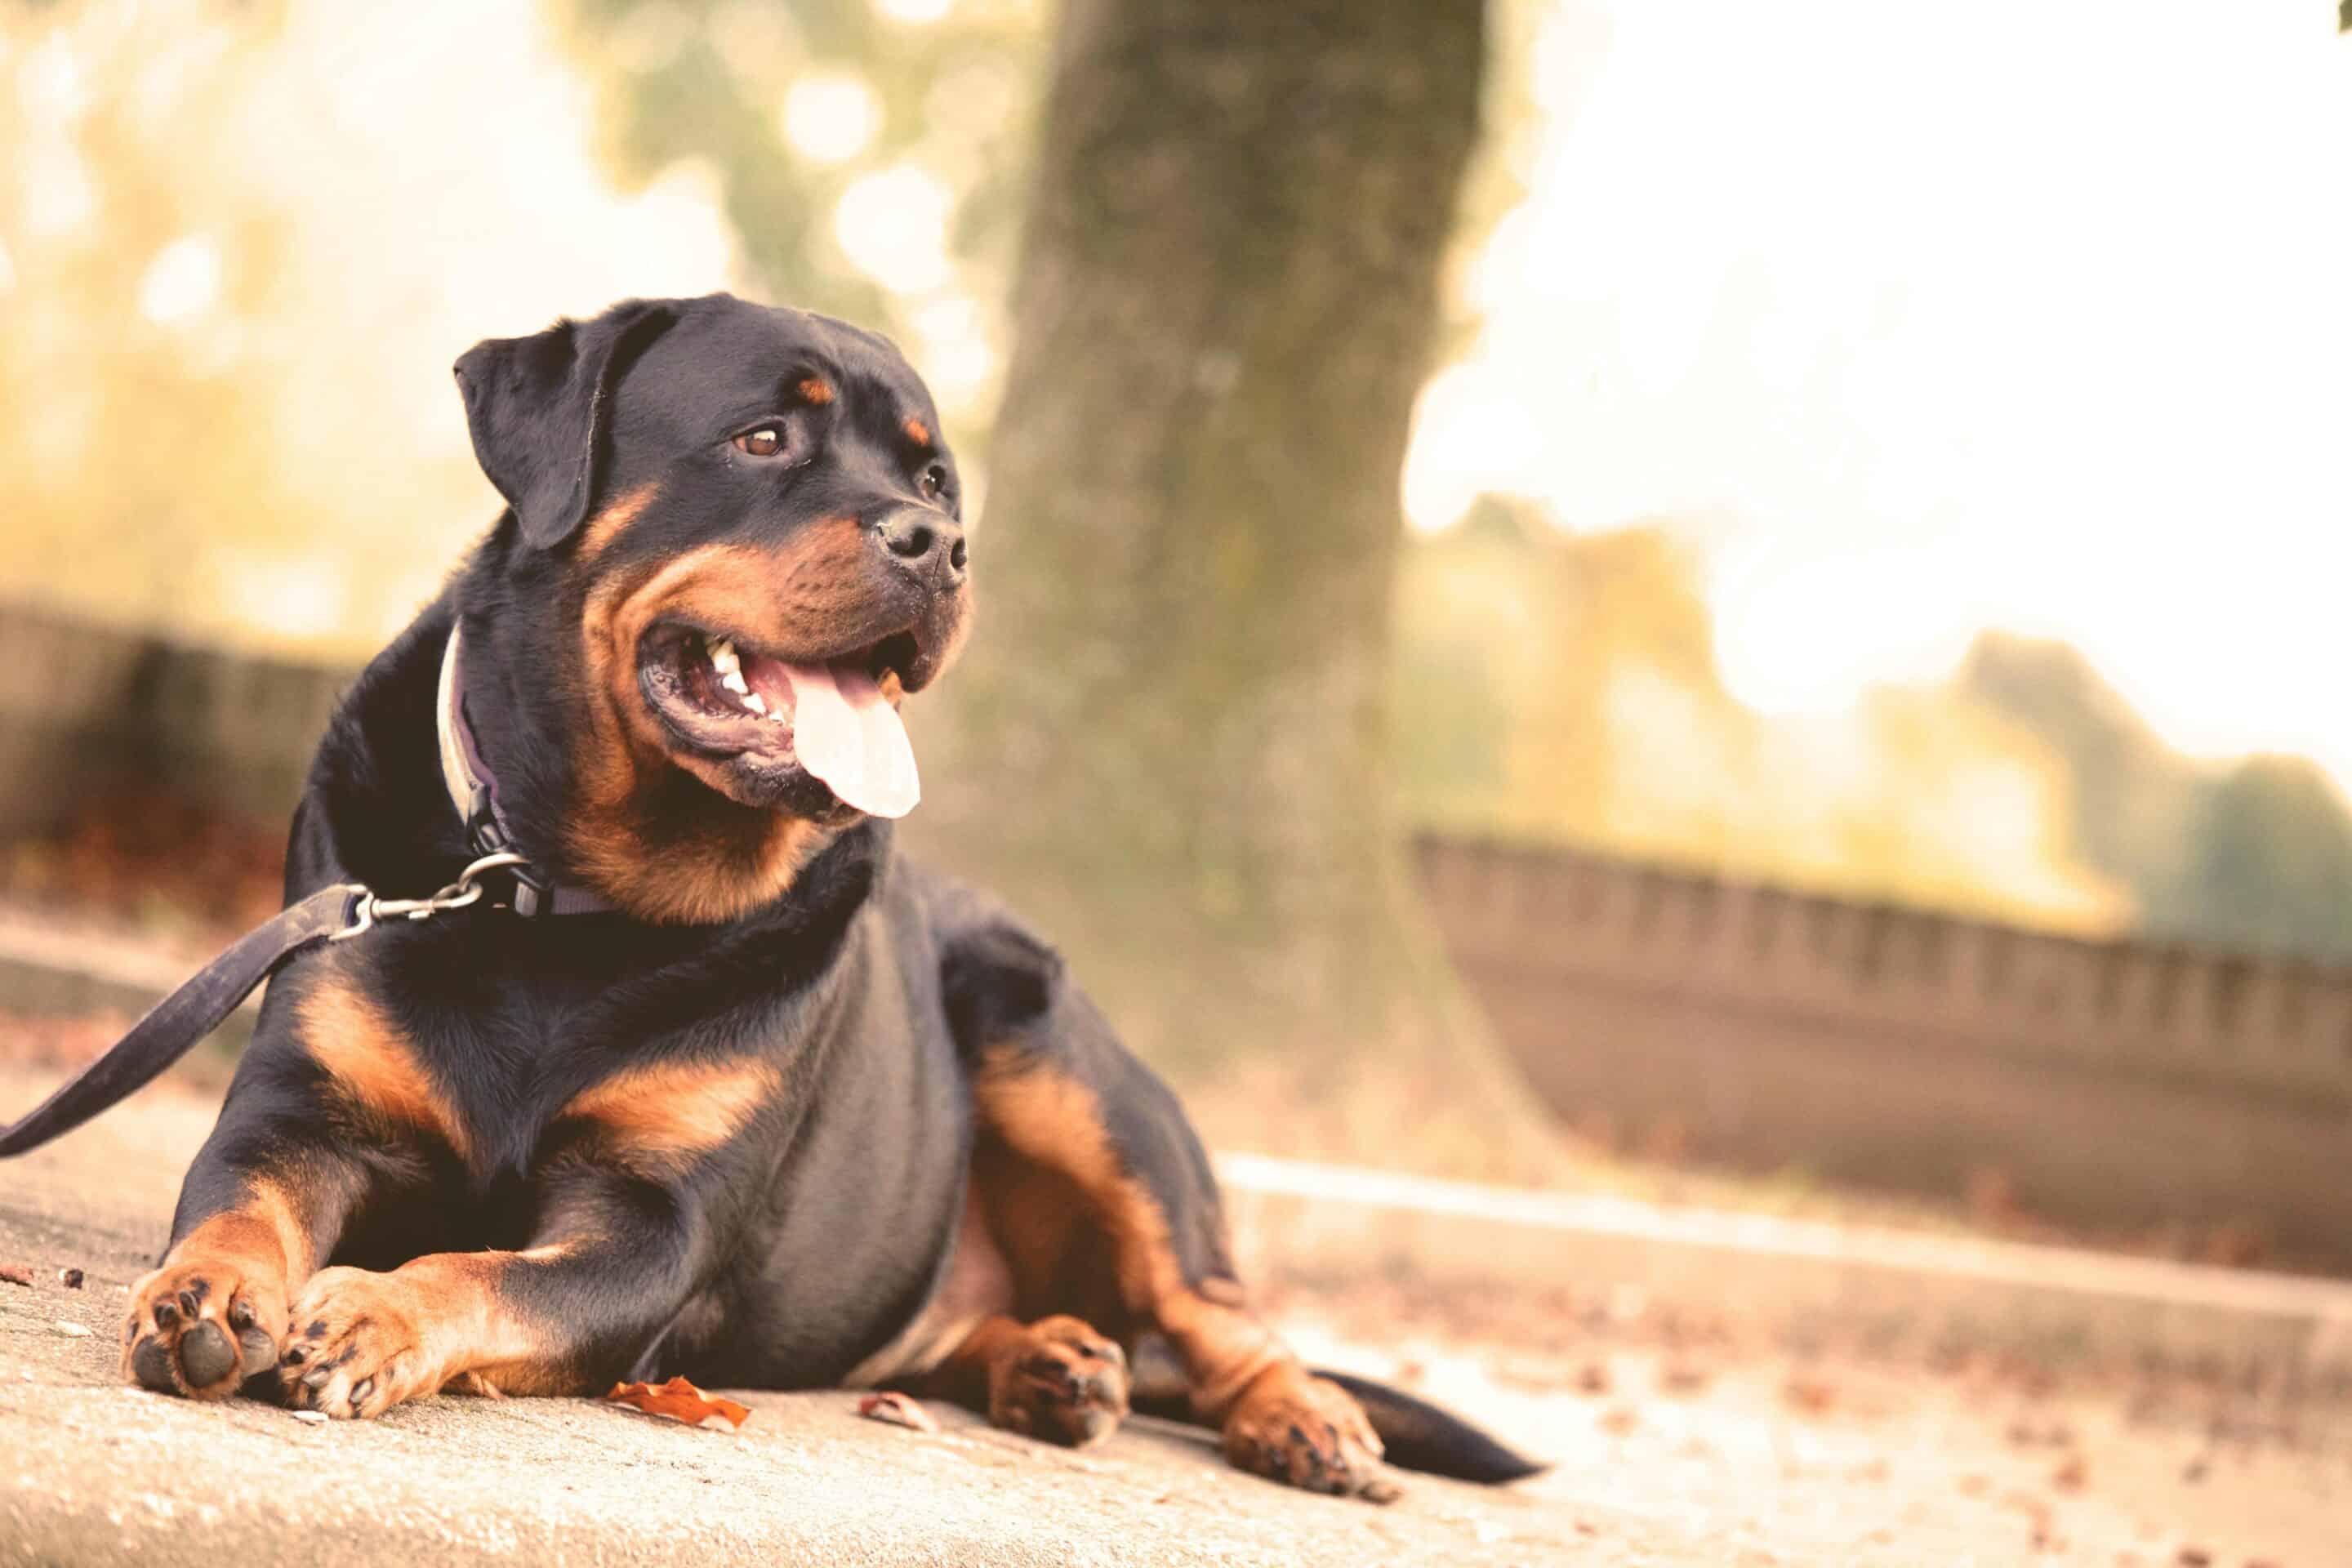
540, 409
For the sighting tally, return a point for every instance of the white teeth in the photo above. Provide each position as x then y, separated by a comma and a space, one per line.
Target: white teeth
755, 702
733, 681
724, 659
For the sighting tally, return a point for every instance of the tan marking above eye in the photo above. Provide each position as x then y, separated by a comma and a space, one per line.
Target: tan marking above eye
816, 391
917, 432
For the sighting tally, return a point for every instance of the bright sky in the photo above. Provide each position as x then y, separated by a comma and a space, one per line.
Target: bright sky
2032, 313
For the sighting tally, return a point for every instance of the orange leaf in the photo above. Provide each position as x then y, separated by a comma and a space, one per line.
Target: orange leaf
679, 1400
899, 1410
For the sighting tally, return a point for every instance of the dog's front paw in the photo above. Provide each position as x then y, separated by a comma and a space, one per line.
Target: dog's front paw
359, 1342
1308, 1432
202, 1326
1058, 1380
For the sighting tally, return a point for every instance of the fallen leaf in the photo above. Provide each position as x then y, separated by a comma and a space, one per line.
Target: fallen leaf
70, 1278
1810, 1395
679, 1400
898, 1411
2194, 1557
16, 1274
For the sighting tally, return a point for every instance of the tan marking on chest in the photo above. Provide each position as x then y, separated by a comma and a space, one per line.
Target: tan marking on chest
670, 1112
349, 1034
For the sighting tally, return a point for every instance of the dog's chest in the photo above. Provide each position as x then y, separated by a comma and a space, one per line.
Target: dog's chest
514, 1052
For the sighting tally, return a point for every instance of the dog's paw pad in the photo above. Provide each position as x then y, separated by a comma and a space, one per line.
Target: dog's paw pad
1061, 1382
200, 1329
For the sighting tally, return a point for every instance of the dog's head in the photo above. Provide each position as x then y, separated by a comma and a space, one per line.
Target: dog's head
736, 543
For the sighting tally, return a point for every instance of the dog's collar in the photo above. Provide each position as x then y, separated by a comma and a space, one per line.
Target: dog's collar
474, 791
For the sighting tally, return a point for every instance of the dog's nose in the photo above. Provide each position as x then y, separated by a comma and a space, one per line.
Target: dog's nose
929, 544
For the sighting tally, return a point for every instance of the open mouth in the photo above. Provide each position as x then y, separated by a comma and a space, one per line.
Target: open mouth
833, 722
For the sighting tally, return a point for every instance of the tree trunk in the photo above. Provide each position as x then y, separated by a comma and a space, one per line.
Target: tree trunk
1169, 745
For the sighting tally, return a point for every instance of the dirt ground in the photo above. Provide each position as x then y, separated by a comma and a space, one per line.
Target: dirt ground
1677, 1438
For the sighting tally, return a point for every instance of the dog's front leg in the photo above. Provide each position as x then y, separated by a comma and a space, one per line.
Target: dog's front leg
611, 1265
264, 1202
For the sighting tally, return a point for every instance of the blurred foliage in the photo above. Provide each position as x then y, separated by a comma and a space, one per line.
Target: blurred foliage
1564, 688
2270, 862
2255, 854
706, 80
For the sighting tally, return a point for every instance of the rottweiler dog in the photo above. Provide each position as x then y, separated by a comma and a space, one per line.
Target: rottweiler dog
725, 1089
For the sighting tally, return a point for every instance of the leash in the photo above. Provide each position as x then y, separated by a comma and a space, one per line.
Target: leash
343, 913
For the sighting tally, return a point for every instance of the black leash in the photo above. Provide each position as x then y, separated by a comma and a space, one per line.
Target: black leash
173, 1025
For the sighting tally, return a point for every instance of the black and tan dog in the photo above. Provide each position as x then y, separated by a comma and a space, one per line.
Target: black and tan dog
789, 1113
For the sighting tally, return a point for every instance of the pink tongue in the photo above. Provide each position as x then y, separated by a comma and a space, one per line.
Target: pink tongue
846, 734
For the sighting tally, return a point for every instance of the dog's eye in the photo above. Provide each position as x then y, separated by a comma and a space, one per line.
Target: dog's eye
934, 482
765, 442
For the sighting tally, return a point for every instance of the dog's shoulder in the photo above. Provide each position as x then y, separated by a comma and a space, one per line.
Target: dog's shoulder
997, 976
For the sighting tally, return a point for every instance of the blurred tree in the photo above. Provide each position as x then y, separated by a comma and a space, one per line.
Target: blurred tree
1170, 740
2258, 856
2133, 794
2269, 864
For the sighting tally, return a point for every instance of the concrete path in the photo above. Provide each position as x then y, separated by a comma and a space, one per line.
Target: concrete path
92, 1472
1680, 1443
